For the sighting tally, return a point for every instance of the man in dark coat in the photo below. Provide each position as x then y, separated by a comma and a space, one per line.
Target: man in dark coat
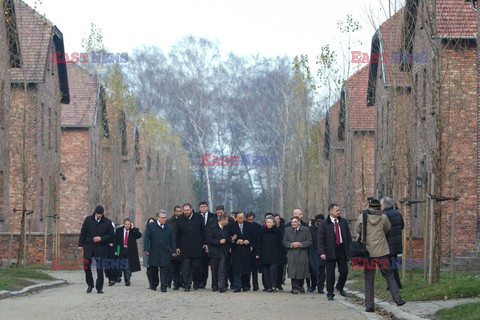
159, 245
256, 231
208, 217
95, 235
218, 247
298, 214
241, 234
334, 239
297, 239
191, 245
317, 265
282, 261
394, 235
126, 245
175, 262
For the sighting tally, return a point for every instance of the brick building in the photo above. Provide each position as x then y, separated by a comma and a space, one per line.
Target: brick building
37, 86
335, 153
80, 149
356, 127
427, 118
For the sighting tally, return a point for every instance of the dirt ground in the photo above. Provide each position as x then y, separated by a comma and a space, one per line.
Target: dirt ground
137, 302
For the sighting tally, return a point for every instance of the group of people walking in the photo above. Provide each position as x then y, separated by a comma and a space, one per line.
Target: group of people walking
178, 250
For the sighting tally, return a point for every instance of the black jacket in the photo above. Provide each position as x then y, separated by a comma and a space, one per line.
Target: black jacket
214, 235
132, 249
394, 235
326, 238
241, 254
90, 229
270, 247
173, 222
191, 236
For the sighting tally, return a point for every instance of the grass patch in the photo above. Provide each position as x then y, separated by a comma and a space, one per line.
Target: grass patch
463, 285
12, 278
467, 311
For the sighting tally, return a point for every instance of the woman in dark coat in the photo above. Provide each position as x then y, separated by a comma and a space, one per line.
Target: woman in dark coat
145, 257
280, 223
269, 249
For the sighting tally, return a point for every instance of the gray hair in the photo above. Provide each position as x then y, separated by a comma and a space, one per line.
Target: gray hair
161, 212
387, 202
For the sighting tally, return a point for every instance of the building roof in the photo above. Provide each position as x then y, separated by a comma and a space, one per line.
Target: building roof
456, 19
359, 116
84, 95
35, 34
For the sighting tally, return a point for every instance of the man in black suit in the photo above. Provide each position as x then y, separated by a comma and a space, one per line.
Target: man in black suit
297, 213
191, 245
241, 233
256, 230
218, 246
334, 240
175, 267
159, 245
208, 217
126, 248
96, 234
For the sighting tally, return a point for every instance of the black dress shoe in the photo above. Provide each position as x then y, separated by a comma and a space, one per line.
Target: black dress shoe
401, 303
99, 291
111, 283
215, 289
280, 288
175, 287
370, 310
302, 290
222, 290
127, 283
321, 291
246, 289
294, 291
342, 293
89, 289
187, 289
237, 290
164, 289
153, 289
329, 297
255, 288
269, 290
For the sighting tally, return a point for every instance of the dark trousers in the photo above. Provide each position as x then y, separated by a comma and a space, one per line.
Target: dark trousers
240, 281
281, 268
89, 276
175, 273
204, 271
127, 274
192, 271
149, 277
369, 276
164, 271
341, 260
219, 272
254, 271
297, 284
321, 278
270, 275
395, 266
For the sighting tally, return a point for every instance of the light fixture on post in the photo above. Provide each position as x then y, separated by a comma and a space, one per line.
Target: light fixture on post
419, 182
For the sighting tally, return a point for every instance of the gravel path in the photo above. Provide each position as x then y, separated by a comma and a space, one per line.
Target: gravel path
71, 302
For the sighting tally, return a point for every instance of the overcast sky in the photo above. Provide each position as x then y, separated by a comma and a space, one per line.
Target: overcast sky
246, 27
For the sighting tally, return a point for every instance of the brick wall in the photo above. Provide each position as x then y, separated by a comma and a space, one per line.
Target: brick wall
4, 124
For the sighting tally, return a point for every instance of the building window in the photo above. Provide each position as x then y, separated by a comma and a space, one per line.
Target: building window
137, 147
42, 125
2, 104
50, 128
123, 133
341, 117
424, 95
12, 34
327, 136
103, 110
